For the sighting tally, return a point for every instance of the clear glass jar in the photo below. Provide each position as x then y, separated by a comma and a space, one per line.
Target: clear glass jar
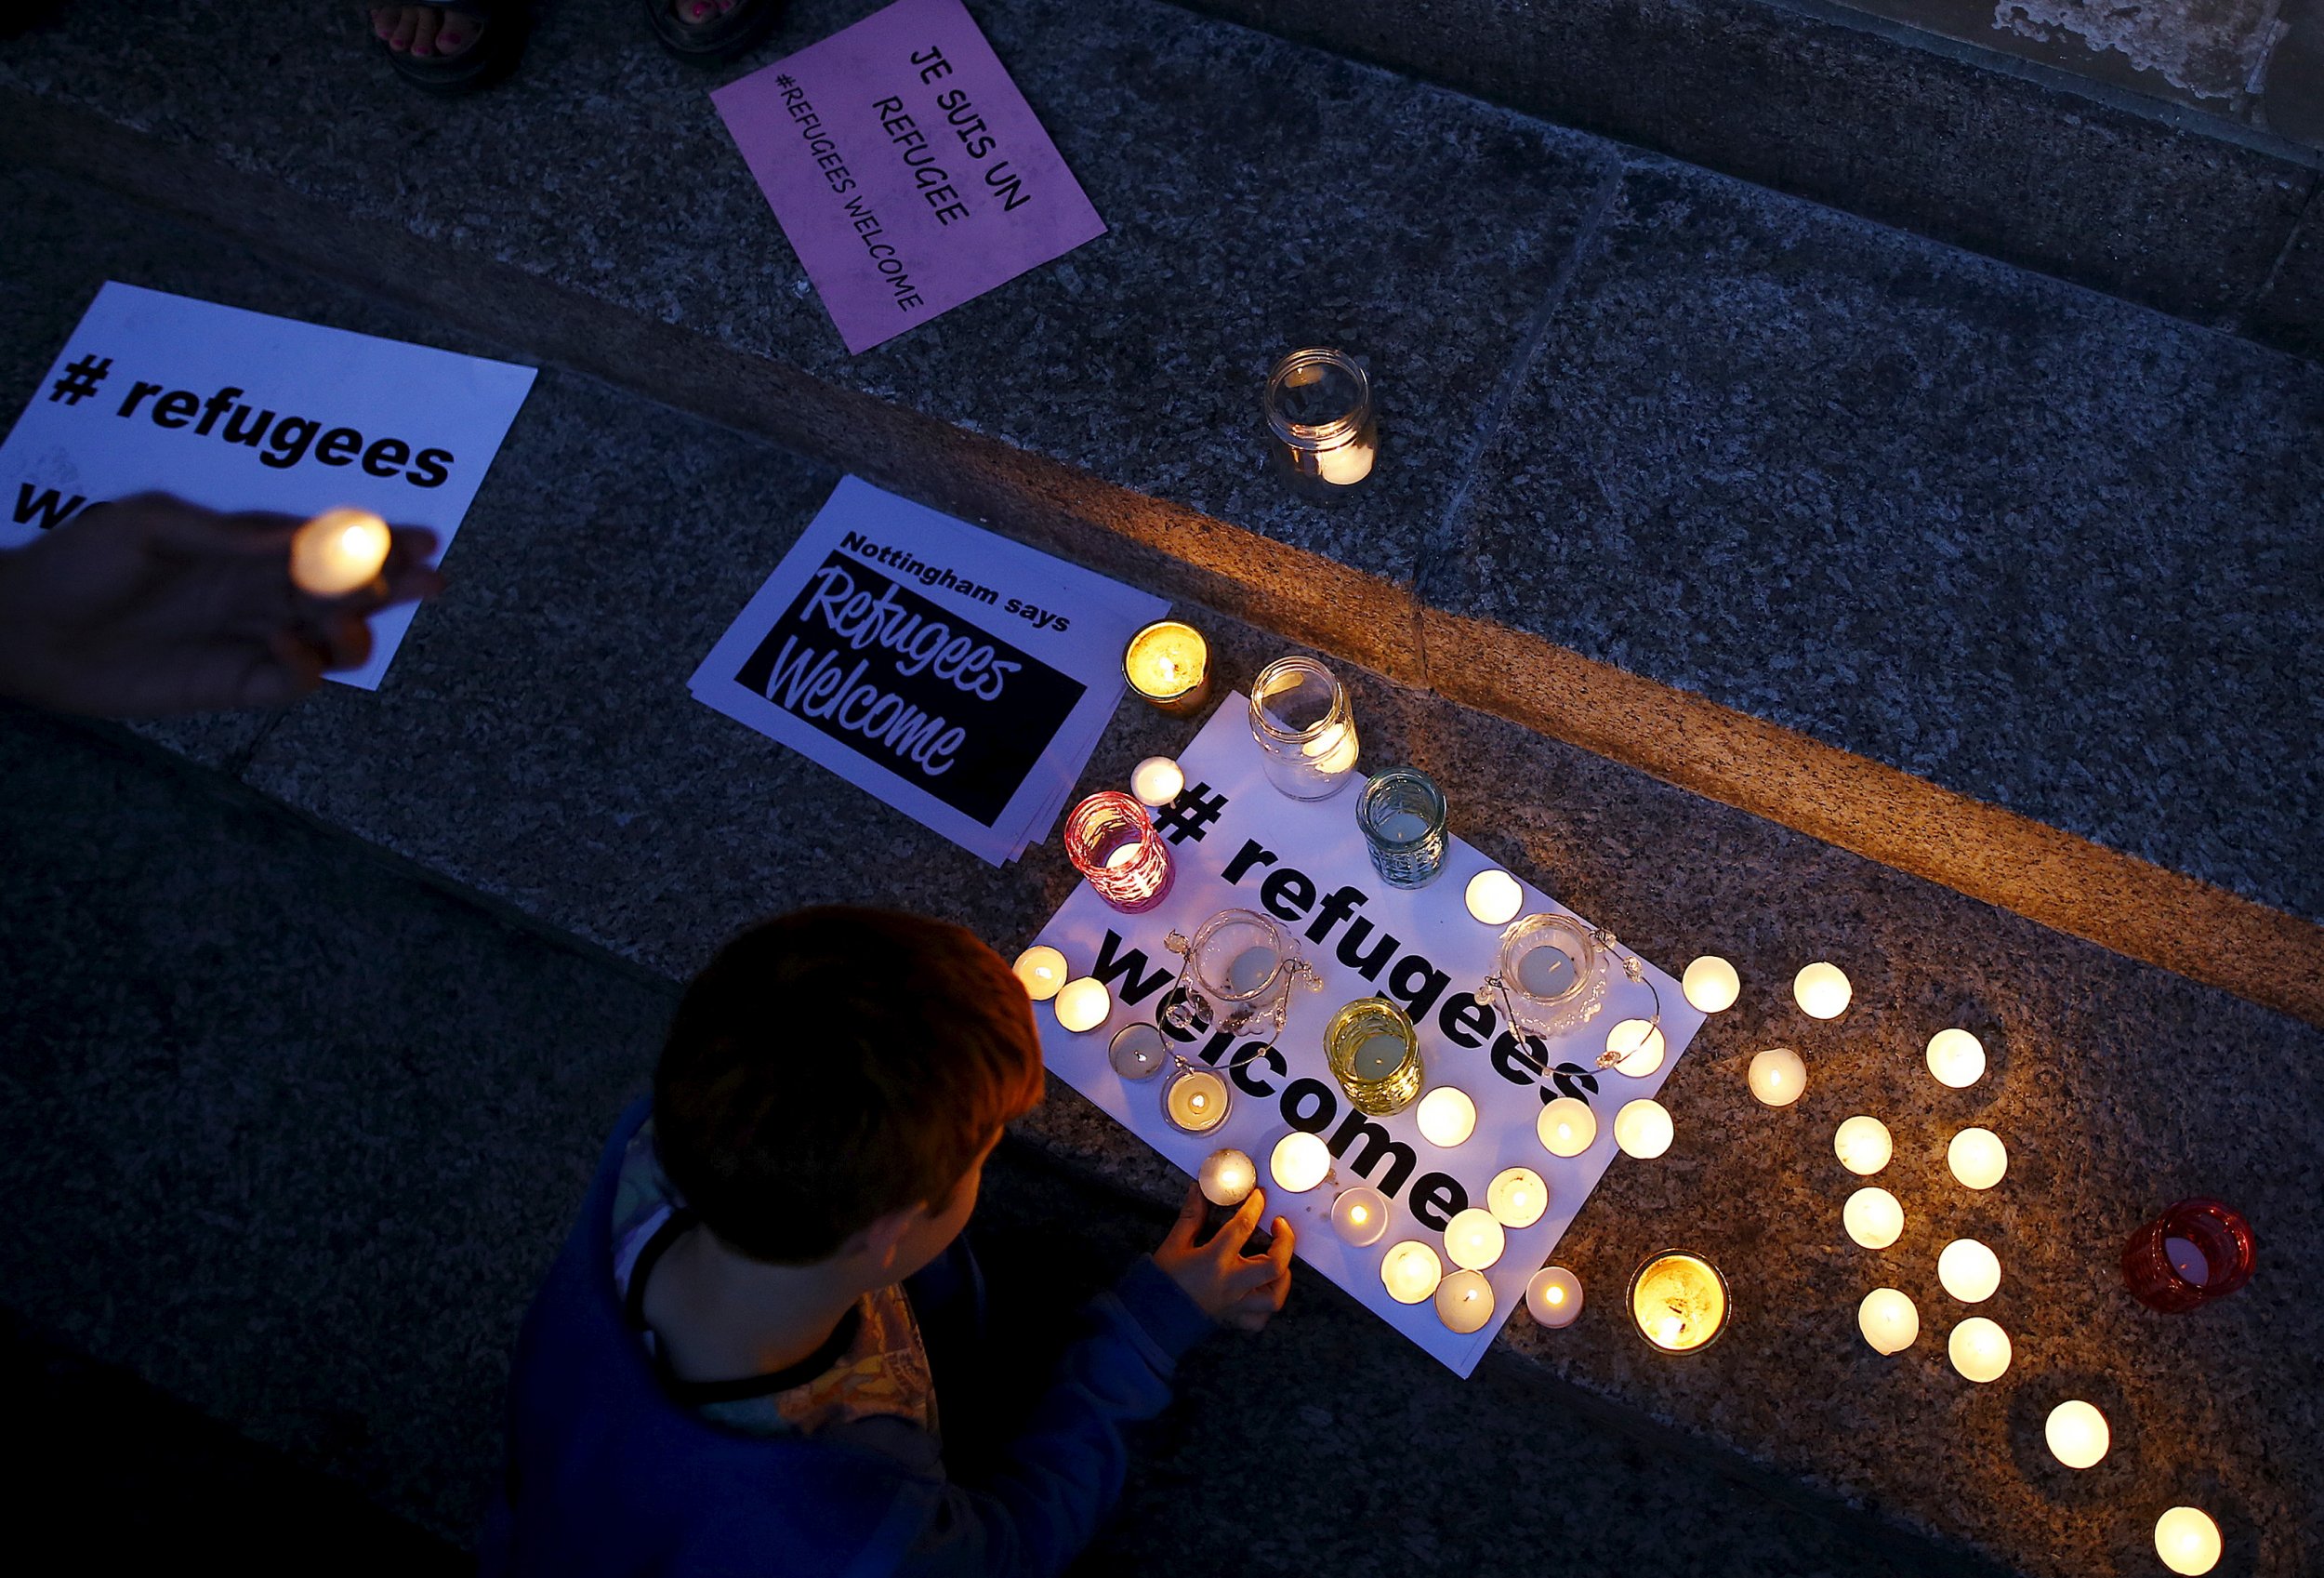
1401, 813
1552, 974
1300, 717
1319, 410
1112, 842
2194, 1253
1240, 968
1375, 1055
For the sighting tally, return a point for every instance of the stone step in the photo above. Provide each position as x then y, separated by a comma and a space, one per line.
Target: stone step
1990, 578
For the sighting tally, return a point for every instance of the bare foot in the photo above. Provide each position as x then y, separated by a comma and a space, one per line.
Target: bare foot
427, 32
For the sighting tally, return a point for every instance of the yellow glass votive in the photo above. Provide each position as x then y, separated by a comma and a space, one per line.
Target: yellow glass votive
1373, 1052
1679, 1302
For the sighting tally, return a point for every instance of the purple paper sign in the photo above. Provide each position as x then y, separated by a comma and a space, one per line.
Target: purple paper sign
907, 169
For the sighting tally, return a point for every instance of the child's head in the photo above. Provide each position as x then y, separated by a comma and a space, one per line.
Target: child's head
833, 1082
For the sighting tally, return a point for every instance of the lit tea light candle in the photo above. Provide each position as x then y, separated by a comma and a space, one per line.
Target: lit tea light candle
1821, 990
1516, 1197
1345, 465
1083, 1004
1553, 1296
1227, 1177
1979, 1349
1957, 1059
1567, 1127
1863, 1145
1546, 972
1679, 1301
1777, 1075
1196, 1101
1464, 1301
2186, 1540
1360, 1215
1168, 664
1299, 1163
1333, 749
340, 551
1643, 1129
1138, 1051
1873, 1217
1042, 969
1969, 1270
1410, 1271
1710, 984
2077, 1434
1494, 897
1473, 1241
1978, 1158
1639, 1045
1156, 780
1888, 1321
1447, 1117
1251, 969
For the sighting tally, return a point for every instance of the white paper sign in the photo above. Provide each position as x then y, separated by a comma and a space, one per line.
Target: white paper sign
1230, 818
238, 410
960, 676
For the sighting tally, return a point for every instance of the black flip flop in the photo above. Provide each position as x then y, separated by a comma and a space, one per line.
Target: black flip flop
493, 55
748, 23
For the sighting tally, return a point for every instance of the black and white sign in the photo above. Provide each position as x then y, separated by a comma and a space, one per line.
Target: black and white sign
960, 676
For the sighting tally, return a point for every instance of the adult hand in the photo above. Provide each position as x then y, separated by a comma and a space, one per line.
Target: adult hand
1233, 1288
150, 605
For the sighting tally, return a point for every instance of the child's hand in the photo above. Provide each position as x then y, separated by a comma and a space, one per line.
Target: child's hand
1233, 1288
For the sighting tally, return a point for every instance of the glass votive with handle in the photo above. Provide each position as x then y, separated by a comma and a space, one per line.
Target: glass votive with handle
1300, 717
1401, 813
1375, 1056
1319, 406
2194, 1253
1112, 841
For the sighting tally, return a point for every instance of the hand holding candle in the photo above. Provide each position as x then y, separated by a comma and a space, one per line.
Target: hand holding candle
1233, 1288
340, 551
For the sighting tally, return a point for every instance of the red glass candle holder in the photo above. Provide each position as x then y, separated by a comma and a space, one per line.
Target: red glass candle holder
2194, 1253
1112, 842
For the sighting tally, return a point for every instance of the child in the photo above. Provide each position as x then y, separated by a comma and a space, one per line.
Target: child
737, 1362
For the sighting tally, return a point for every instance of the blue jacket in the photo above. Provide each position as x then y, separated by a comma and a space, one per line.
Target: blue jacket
607, 1476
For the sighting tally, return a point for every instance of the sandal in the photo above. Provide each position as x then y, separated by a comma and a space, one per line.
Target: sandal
501, 31
710, 43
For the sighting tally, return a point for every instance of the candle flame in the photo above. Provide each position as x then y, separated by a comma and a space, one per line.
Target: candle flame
1357, 1213
1557, 1294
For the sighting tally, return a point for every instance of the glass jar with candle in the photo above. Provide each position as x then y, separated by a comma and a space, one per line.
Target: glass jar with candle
1195, 1100
1679, 1302
1112, 841
1239, 971
1300, 717
1169, 665
1319, 406
2194, 1253
1375, 1056
1401, 813
1550, 975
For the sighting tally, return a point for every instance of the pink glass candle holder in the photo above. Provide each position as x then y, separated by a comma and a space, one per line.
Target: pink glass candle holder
2194, 1253
1112, 842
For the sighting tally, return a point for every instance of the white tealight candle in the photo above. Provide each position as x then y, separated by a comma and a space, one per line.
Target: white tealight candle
1464, 1301
1863, 1145
1567, 1127
1553, 1296
1447, 1117
1299, 1163
1710, 984
1333, 749
1360, 1215
1083, 1004
1156, 780
1345, 465
1042, 969
1957, 1059
1251, 969
2187, 1540
1777, 1075
1410, 1271
1227, 1177
1494, 897
1969, 1270
2077, 1434
1873, 1217
1888, 1321
1516, 1197
1978, 1158
1979, 1349
1196, 1101
1546, 972
338, 552
1643, 1129
1473, 1241
1638, 1044
1821, 990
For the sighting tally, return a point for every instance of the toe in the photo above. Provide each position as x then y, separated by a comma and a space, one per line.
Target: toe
405, 18
424, 31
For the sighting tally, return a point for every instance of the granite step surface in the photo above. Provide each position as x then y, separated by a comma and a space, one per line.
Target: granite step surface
2006, 584
534, 747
